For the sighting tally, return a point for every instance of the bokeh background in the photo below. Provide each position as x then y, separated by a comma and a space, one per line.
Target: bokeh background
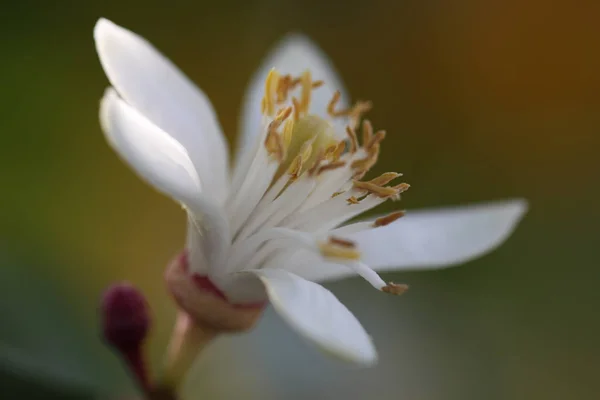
482, 100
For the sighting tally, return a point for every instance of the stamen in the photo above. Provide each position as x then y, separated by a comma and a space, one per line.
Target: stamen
367, 131
285, 84
317, 163
306, 82
288, 130
359, 109
353, 139
332, 103
385, 178
388, 219
335, 151
339, 150
339, 248
331, 166
355, 112
395, 288
342, 242
375, 139
295, 167
380, 191
352, 200
300, 159
282, 86
362, 166
337, 193
270, 89
274, 142
274, 145
296, 104
401, 188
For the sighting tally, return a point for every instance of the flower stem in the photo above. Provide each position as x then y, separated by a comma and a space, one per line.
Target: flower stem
187, 341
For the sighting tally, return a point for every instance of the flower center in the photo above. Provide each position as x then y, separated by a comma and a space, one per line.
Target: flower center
308, 140
307, 177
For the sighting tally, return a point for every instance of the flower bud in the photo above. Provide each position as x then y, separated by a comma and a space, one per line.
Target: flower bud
125, 317
125, 325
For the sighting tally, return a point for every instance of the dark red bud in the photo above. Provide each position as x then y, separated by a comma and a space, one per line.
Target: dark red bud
125, 325
125, 317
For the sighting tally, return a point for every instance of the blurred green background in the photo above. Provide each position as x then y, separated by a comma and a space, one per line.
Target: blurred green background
482, 100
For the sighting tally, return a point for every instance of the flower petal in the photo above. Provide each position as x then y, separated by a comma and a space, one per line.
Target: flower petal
430, 239
155, 156
319, 316
155, 87
441, 238
293, 55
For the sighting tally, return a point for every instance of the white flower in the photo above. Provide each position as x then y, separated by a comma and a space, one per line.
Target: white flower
281, 215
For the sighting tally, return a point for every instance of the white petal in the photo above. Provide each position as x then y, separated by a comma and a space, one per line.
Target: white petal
294, 54
154, 86
319, 316
430, 239
155, 156
208, 238
439, 238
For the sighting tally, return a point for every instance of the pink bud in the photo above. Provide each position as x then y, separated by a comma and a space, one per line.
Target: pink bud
125, 325
125, 316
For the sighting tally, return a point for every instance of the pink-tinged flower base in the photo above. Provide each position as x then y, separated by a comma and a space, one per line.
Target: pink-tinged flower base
206, 303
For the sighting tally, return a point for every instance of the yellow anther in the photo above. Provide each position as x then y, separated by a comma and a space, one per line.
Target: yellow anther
363, 165
352, 138
367, 132
331, 166
317, 163
306, 82
295, 167
283, 114
335, 151
317, 84
274, 145
380, 191
355, 112
296, 104
298, 162
388, 219
385, 178
306, 150
339, 150
352, 200
339, 248
274, 142
395, 288
270, 90
288, 129
375, 139
402, 187
342, 242
358, 110
337, 193
333, 103
283, 87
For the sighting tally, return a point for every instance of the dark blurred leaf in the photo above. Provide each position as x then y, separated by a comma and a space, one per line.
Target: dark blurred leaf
42, 334
25, 379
